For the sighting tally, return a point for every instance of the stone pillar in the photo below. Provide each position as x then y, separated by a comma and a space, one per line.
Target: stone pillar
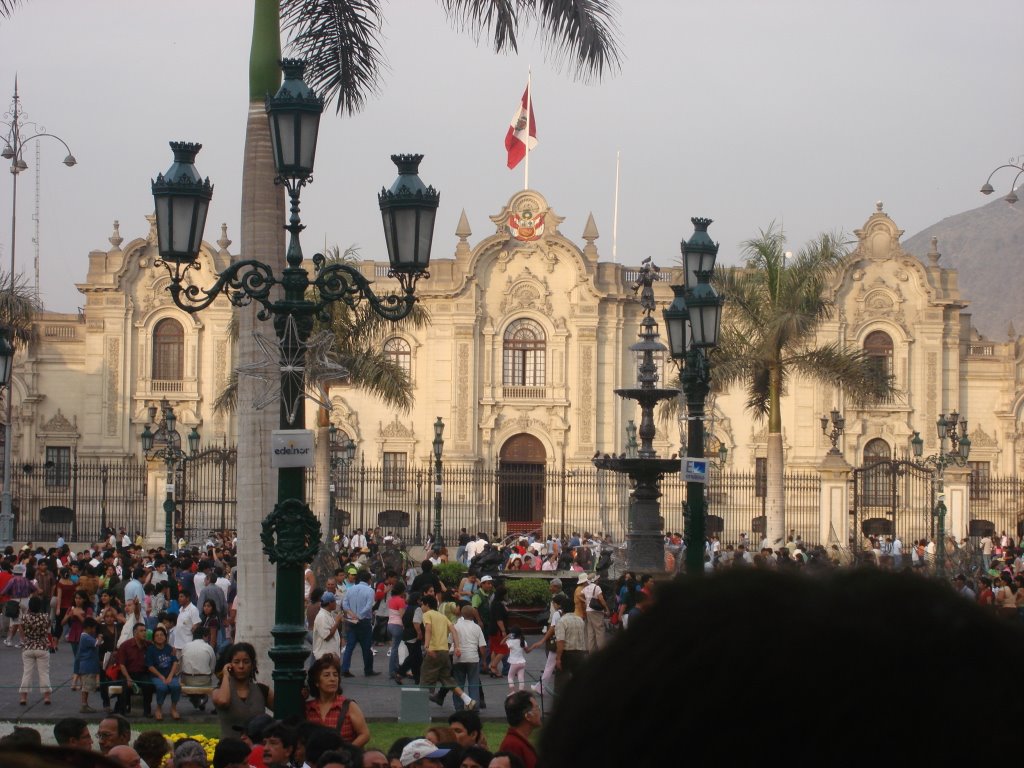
957, 490
834, 519
645, 540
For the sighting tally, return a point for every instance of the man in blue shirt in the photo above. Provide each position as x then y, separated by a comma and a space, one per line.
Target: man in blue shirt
358, 607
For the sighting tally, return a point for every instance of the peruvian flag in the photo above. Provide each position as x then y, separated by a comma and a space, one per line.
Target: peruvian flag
516, 139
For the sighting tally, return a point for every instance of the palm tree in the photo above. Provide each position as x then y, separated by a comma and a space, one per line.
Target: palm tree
774, 308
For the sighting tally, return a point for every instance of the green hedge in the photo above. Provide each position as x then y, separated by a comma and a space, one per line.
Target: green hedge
450, 573
528, 592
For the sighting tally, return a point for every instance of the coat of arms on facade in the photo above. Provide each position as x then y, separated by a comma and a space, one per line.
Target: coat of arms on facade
526, 225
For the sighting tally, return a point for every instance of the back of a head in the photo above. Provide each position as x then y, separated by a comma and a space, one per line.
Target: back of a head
707, 662
321, 740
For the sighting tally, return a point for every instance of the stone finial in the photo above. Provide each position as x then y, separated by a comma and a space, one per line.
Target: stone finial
224, 241
878, 206
1011, 332
462, 231
590, 230
933, 253
115, 239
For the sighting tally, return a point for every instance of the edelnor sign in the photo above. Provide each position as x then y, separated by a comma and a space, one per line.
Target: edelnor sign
291, 448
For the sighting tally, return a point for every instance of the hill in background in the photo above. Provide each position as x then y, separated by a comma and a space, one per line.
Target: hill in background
986, 246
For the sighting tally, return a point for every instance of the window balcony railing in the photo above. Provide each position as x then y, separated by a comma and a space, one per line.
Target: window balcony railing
167, 385
519, 392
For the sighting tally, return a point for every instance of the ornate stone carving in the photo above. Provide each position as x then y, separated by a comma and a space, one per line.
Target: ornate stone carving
586, 393
981, 439
113, 366
463, 410
525, 291
396, 429
58, 424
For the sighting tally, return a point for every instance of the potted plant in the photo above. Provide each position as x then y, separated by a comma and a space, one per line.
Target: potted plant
528, 601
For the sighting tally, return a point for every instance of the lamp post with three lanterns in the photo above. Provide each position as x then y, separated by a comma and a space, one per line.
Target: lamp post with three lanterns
291, 533
955, 428
693, 320
164, 442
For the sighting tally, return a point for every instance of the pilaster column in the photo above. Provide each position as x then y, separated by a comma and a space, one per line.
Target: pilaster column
834, 500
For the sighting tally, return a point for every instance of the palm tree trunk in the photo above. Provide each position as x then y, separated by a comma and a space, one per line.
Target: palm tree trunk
263, 238
775, 501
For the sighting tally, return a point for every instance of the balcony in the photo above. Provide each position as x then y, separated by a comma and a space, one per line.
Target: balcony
509, 392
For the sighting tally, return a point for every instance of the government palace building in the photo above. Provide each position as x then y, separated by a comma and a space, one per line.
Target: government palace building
528, 339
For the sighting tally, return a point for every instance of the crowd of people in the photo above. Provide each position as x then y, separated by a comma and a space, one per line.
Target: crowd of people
151, 627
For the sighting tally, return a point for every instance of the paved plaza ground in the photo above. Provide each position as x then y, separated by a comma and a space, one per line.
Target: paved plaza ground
378, 696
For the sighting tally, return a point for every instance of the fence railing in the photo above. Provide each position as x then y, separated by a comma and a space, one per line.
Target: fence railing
79, 500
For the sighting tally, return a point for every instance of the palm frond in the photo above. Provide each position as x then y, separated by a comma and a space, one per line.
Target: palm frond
226, 401
18, 306
583, 32
340, 42
7, 7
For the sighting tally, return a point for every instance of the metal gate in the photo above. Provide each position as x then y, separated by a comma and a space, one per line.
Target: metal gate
890, 497
206, 501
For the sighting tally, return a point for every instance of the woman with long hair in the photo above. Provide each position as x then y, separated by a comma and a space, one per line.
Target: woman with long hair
328, 706
64, 597
396, 607
209, 618
163, 668
72, 620
496, 631
35, 653
107, 633
239, 698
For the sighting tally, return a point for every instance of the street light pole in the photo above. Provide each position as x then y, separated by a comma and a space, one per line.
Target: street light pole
955, 428
169, 439
693, 321
438, 449
14, 144
1017, 163
291, 532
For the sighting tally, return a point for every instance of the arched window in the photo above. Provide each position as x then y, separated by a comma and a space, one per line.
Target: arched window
878, 480
524, 354
400, 353
878, 348
168, 351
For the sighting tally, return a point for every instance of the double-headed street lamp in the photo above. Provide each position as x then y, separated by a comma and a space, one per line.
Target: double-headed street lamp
438, 481
14, 150
164, 442
1017, 163
291, 533
693, 321
955, 428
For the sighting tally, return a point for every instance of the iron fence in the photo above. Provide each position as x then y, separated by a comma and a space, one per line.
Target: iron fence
78, 500
999, 501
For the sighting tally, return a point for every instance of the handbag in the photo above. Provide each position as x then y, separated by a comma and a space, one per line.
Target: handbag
595, 603
12, 609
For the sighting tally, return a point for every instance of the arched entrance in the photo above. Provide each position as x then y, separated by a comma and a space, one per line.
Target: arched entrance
521, 488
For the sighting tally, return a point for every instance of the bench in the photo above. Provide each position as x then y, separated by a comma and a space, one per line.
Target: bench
196, 690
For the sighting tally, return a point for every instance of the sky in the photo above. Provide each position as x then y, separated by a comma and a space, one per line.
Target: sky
798, 112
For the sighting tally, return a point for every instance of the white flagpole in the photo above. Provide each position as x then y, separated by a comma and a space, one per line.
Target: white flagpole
615, 214
529, 80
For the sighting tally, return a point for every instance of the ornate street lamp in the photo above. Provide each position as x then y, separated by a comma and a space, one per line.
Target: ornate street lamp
955, 428
438, 449
1017, 163
14, 146
291, 533
164, 443
838, 424
694, 320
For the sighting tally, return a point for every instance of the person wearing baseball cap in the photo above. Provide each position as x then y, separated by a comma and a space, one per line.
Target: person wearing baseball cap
326, 627
422, 753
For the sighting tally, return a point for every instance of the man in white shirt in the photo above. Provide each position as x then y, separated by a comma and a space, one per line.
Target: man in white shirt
472, 646
896, 550
358, 540
198, 660
188, 620
326, 635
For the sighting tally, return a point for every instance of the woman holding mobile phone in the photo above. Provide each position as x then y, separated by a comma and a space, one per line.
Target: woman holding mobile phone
239, 698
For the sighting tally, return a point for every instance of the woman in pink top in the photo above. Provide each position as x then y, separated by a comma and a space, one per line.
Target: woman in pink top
396, 607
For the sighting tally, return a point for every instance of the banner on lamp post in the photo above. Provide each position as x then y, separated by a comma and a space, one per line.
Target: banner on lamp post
695, 470
291, 448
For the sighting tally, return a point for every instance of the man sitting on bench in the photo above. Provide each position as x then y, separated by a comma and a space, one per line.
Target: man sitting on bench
198, 661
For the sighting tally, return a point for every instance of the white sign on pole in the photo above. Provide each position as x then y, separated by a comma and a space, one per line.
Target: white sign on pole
695, 470
291, 448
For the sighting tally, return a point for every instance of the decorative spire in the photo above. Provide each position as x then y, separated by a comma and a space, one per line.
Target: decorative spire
462, 231
933, 253
224, 241
115, 239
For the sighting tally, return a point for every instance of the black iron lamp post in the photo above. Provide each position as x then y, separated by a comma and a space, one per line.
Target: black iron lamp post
164, 442
343, 453
291, 533
1017, 163
955, 428
438, 481
693, 321
19, 133
838, 424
